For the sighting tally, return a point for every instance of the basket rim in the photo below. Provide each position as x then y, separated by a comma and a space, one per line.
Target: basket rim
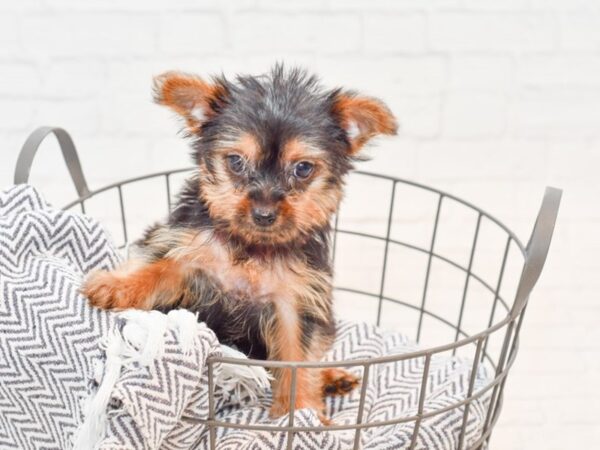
393, 179
511, 315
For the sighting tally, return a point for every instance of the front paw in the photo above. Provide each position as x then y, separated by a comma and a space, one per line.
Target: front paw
103, 290
338, 382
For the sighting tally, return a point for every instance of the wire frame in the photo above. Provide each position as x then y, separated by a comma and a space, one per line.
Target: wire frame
506, 329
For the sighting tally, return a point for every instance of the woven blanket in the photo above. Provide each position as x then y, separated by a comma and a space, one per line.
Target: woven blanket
392, 392
72, 376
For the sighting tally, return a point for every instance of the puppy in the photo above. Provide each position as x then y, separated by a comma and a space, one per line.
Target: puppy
247, 245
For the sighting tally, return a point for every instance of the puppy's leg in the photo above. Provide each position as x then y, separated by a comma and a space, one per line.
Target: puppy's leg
293, 342
146, 285
284, 341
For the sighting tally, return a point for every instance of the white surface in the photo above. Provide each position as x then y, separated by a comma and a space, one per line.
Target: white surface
496, 99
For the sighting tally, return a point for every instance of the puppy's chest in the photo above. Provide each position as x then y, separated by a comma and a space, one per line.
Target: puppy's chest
255, 279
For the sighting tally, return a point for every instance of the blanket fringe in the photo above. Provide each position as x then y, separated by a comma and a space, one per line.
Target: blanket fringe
140, 341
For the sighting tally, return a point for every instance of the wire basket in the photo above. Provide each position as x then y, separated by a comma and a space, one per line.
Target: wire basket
391, 292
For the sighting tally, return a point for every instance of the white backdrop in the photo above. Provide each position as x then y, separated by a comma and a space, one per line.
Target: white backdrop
496, 99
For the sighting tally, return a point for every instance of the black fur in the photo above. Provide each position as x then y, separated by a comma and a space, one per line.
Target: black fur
275, 108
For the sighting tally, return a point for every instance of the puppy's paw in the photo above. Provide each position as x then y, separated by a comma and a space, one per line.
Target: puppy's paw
104, 290
338, 382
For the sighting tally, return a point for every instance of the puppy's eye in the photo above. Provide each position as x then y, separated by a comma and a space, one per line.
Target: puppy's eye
303, 169
236, 163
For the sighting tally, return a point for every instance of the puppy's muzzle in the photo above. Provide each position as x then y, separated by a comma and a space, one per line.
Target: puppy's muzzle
264, 216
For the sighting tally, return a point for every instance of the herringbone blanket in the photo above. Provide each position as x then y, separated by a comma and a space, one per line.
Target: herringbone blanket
74, 376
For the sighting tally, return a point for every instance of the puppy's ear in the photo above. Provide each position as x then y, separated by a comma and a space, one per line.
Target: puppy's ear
363, 118
189, 96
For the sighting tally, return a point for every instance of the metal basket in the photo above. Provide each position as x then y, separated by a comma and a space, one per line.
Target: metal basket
505, 313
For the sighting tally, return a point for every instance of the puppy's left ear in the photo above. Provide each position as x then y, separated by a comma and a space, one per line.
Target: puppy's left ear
190, 96
363, 118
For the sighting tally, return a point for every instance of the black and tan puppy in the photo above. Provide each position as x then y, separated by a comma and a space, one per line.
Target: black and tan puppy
246, 247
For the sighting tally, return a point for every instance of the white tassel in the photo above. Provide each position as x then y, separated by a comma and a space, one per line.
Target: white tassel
240, 382
145, 330
93, 428
141, 341
186, 325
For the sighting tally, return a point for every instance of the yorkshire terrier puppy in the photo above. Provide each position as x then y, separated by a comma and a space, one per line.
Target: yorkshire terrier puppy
247, 245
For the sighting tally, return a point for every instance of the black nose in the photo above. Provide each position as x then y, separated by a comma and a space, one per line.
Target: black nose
263, 216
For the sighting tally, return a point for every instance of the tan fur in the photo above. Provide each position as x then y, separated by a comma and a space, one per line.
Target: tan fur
260, 275
337, 381
183, 93
316, 204
296, 150
145, 287
282, 281
370, 116
245, 144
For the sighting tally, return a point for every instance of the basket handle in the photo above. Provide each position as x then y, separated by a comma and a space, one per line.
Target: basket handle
537, 247
67, 147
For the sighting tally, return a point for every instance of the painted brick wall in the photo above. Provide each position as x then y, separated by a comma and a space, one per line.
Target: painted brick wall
496, 100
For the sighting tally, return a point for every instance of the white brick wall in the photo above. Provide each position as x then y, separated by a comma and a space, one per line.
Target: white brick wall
496, 99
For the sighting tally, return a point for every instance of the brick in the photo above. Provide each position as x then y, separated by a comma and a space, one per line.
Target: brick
76, 116
135, 77
465, 31
191, 33
266, 32
73, 79
394, 155
292, 5
109, 158
495, 6
393, 5
11, 144
17, 115
474, 114
169, 152
556, 113
484, 160
395, 33
22, 6
566, 5
579, 31
557, 71
563, 168
132, 115
481, 72
87, 35
250, 63
9, 44
386, 77
19, 80
418, 116
139, 5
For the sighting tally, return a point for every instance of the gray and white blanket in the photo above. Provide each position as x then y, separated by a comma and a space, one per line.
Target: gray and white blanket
72, 376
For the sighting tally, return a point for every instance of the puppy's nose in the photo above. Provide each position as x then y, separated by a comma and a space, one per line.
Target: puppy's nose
263, 217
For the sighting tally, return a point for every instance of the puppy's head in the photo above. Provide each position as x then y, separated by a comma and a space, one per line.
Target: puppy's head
272, 150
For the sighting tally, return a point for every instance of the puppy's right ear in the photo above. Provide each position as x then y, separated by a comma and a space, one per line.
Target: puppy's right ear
189, 96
